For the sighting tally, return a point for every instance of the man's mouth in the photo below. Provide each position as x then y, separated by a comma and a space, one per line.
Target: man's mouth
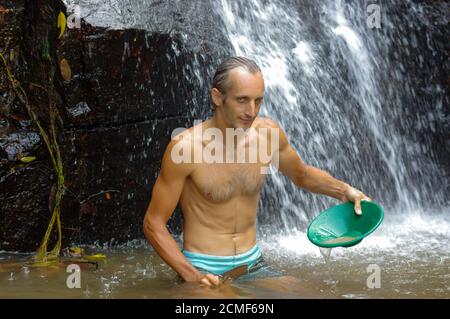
246, 121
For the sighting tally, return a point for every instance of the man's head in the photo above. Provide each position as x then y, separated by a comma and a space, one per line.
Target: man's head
237, 91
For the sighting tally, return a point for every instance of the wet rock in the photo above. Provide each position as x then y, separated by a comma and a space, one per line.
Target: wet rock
119, 95
17, 145
81, 109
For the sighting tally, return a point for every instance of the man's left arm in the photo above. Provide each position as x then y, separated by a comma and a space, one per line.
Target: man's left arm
312, 178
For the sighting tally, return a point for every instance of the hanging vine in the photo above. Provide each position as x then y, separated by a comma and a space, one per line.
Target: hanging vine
43, 257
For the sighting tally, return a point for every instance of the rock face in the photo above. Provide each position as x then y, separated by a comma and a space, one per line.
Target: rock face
120, 94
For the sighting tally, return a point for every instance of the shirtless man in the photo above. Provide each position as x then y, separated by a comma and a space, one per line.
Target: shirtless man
219, 200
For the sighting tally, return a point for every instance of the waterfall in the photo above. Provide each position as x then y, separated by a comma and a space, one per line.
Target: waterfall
333, 85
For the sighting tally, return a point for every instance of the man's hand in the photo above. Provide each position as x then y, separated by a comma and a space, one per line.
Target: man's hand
210, 280
354, 195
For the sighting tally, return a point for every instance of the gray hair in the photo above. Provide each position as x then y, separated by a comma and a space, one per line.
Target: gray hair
221, 79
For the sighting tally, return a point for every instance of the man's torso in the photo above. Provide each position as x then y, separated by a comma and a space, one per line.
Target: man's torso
219, 200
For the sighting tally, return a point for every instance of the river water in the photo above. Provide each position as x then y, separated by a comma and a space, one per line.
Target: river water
411, 257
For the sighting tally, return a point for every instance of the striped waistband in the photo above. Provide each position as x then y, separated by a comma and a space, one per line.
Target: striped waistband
220, 264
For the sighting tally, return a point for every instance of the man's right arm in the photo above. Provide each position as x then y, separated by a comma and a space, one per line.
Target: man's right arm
165, 195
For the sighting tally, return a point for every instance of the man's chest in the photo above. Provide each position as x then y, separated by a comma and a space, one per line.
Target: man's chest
220, 182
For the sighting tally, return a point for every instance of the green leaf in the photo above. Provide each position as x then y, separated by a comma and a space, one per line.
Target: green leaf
44, 263
27, 159
95, 257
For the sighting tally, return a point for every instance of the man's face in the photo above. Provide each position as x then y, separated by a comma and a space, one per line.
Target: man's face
243, 99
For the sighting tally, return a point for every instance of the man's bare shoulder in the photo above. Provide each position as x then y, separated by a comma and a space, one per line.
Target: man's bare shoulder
181, 148
265, 122
276, 131
189, 135
177, 159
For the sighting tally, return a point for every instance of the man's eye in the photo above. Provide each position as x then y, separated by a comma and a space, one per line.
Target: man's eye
241, 99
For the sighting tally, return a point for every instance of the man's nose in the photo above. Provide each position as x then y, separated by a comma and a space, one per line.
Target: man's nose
251, 109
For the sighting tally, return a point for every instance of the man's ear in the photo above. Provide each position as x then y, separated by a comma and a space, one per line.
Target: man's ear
216, 97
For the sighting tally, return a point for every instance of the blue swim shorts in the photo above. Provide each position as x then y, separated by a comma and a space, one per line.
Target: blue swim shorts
219, 264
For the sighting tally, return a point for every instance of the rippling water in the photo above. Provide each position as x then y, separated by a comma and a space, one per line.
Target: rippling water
412, 255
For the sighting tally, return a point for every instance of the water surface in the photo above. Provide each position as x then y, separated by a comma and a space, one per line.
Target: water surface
411, 253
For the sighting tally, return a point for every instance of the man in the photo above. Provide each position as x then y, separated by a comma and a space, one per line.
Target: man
219, 199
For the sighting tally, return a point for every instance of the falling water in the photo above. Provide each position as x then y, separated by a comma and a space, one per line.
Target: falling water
332, 88
345, 97
326, 253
